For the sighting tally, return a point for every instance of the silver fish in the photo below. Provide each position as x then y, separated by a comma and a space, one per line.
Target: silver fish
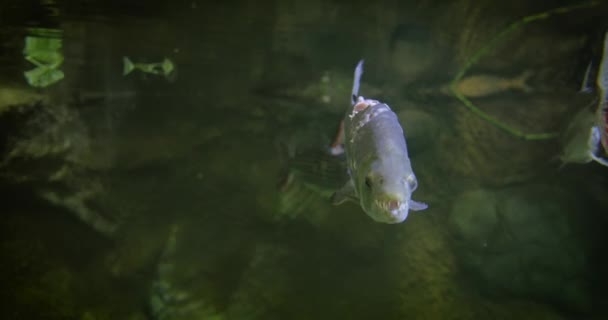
602, 108
577, 139
381, 175
594, 144
587, 135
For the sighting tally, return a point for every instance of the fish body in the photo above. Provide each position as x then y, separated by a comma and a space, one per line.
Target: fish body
486, 85
577, 152
381, 175
603, 127
602, 109
595, 125
577, 141
594, 145
165, 68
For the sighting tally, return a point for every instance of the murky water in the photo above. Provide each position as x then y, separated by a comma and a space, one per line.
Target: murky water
193, 181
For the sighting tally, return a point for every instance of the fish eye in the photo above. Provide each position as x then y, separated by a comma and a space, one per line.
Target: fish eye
368, 181
411, 180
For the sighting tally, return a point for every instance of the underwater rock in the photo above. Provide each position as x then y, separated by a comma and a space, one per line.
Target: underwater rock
423, 266
14, 96
53, 290
474, 216
523, 241
137, 248
187, 288
424, 51
481, 151
48, 148
575, 138
36, 283
173, 295
420, 128
264, 285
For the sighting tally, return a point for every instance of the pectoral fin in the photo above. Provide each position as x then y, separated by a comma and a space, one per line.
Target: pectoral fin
346, 193
599, 160
417, 206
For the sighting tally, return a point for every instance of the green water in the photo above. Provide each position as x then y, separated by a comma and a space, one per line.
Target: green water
145, 196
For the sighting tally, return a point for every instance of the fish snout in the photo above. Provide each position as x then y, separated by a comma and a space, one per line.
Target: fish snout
398, 211
392, 211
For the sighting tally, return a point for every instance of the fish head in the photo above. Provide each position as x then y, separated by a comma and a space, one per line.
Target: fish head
385, 195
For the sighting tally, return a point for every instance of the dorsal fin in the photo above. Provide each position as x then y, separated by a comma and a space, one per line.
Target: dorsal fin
357, 79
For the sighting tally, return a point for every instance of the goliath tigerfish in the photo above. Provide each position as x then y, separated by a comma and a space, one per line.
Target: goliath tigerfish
381, 176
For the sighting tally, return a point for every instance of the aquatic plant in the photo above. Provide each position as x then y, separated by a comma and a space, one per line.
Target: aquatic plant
485, 49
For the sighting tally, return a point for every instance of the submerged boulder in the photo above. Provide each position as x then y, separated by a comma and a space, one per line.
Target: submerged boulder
523, 241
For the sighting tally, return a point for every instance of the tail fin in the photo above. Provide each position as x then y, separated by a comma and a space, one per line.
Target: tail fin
357, 79
127, 66
521, 81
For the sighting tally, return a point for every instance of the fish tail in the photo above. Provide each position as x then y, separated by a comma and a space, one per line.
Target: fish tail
356, 81
128, 66
522, 81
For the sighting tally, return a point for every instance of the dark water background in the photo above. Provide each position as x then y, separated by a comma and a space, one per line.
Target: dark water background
135, 197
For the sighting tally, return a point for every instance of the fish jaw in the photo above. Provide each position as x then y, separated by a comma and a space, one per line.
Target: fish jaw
391, 211
395, 211
388, 201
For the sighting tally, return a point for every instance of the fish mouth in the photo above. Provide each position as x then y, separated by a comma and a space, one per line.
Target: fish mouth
394, 211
